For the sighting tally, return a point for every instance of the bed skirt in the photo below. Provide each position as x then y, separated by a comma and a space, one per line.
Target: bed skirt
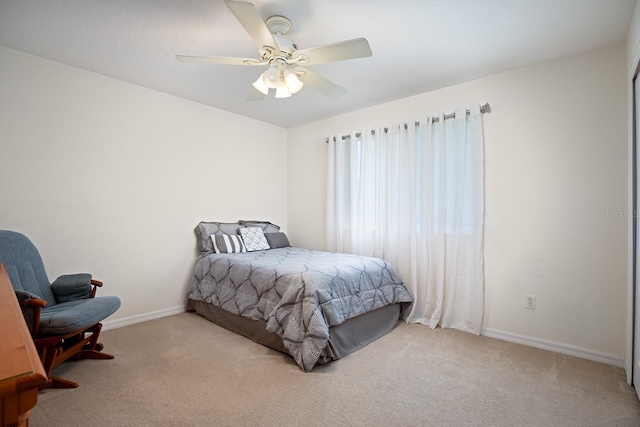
344, 339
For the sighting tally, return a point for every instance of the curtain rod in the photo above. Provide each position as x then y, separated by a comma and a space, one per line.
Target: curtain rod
485, 108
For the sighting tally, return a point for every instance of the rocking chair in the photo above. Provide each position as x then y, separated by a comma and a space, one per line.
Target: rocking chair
64, 316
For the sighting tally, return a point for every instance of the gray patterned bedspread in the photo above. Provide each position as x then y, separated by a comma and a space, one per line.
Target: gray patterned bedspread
299, 293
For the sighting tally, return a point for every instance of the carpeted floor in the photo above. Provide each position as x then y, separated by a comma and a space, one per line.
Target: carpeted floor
184, 370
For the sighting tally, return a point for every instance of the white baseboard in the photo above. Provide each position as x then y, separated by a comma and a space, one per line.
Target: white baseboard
567, 349
139, 318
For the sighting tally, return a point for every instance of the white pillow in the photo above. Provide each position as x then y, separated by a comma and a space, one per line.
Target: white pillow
227, 244
253, 238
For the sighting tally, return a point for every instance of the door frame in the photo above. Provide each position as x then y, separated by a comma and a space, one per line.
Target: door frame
633, 291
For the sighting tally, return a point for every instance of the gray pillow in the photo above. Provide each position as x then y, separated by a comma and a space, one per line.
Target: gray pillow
277, 240
266, 226
204, 230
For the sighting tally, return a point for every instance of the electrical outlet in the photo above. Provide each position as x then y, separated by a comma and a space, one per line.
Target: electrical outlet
530, 302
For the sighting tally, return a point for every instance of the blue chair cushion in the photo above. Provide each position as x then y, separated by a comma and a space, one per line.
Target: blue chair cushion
71, 287
75, 315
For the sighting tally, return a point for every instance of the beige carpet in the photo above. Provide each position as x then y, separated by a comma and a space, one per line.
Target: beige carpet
184, 370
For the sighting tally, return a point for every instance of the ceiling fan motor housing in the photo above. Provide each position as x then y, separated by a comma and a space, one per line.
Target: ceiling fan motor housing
279, 26
286, 44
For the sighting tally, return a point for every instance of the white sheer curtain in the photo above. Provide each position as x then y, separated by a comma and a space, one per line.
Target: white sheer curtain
414, 196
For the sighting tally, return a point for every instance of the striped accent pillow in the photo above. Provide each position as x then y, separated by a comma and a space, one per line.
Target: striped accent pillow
227, 244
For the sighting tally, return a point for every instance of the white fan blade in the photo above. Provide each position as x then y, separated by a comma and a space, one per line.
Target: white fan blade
320, 84
349, 49
251, 21
255, 95
219, 60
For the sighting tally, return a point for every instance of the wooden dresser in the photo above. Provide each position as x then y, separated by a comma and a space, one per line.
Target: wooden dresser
21, 372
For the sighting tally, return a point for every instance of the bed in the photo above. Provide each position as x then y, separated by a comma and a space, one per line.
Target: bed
315, 306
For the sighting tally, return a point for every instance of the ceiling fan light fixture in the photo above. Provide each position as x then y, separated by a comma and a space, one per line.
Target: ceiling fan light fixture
271, 77
282, 91
293, 82
261, 86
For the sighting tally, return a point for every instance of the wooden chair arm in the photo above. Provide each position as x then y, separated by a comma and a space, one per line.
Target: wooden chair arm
32, 315
96, 284
35, 303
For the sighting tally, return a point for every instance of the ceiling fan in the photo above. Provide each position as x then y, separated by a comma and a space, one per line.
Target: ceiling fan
285, 72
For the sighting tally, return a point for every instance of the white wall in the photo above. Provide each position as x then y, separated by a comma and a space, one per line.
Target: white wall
555, 161
111, 178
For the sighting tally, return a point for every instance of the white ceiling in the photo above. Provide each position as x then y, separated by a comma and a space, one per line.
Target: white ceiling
418, 45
